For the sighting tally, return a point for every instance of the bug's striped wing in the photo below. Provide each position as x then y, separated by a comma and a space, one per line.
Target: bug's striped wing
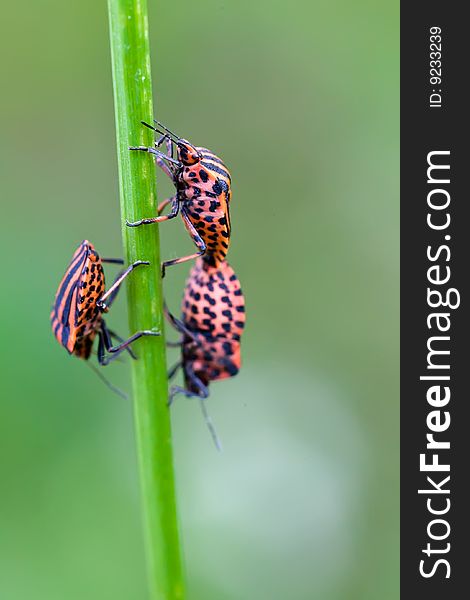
220, 172
75, 313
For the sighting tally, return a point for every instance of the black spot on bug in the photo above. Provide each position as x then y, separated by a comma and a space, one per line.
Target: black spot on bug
213, 206
227, 313
223, 221
240, 309
203, 175
231, 367
226, 327
225, 234
217, 188
237, 293
240, 324
227, 348
209, 299
197, 296
194, 309
224, 244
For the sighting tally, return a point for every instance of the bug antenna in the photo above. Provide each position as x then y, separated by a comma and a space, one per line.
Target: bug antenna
177, 137
107, 383
210, 425
150, 126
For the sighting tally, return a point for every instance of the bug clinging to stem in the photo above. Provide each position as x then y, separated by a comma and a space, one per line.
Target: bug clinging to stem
203, 193
79, 304
212, 323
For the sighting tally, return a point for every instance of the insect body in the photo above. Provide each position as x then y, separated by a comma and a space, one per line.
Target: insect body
203, 191
213, 302
213, 319
76, 316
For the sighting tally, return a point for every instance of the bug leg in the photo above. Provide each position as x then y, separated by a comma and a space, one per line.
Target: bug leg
114, 335
174, 369
101, 346
113, 290
168, 164
168, 143
116, 350
197, 240
179, 325
162, 205
178, 261
116, 261
158, 155
171, 215
168, 169
104, 343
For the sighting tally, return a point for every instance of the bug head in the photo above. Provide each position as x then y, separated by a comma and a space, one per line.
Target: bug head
187, 153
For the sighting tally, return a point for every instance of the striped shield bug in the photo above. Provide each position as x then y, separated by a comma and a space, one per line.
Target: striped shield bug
81, 300
203, 191
213, 319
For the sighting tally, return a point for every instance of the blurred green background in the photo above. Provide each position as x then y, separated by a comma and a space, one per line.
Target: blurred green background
301, 100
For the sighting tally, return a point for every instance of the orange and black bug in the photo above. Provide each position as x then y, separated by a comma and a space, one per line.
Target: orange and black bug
203, 190
213, 319
80, 302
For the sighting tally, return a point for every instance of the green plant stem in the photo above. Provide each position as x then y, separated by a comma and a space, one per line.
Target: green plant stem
133, 103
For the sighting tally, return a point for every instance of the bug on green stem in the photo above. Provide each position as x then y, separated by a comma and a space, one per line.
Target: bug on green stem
81, 300
213, 319
203, 192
